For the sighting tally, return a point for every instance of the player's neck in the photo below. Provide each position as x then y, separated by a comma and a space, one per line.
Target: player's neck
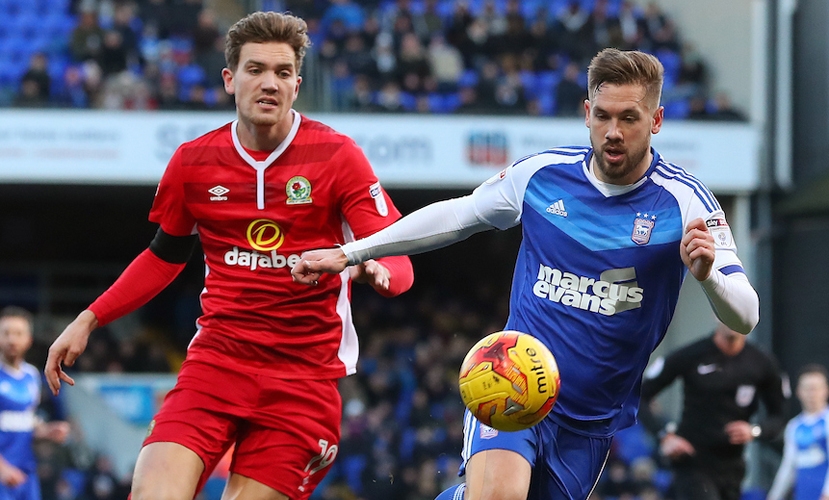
264, 138
630, 179
13, 363
815, 411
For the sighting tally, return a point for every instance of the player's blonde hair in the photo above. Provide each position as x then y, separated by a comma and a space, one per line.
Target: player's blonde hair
263, 27
626, 67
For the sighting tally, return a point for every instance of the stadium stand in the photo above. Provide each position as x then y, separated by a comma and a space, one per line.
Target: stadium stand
407, 55
402, 417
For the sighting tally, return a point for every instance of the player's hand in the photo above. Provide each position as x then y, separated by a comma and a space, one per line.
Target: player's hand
372, 273
697, 249
56, 431
739, 432
313, 263
11, 475
674, 446
66, 349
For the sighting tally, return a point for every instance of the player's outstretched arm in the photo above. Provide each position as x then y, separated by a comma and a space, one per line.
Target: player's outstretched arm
314, 263
734, 300
147, 275
434, 226
66, 349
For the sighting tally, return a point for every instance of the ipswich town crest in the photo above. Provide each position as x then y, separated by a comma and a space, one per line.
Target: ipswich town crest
642, 228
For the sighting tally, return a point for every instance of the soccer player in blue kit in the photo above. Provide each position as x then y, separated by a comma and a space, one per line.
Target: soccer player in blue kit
805, 464
609, 233
19, 397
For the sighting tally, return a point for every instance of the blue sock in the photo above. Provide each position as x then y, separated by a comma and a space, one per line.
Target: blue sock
453, 493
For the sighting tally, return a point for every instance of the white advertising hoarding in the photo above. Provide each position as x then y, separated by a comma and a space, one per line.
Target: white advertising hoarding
101, 147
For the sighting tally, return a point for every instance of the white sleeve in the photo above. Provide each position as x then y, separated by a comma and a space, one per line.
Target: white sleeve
434, 226
786, 473
497, 203
734, 300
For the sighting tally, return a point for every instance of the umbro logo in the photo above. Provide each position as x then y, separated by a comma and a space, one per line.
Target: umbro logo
557, 208
218, 193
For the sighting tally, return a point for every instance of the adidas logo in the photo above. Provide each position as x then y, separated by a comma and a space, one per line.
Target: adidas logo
557, 208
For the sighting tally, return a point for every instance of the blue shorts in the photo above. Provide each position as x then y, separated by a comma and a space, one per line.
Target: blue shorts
565, 464
30, 490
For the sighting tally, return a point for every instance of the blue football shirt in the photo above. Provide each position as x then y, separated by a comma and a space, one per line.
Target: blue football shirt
598, 273
19, 397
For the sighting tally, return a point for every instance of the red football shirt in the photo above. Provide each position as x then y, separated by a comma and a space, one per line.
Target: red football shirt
255, 213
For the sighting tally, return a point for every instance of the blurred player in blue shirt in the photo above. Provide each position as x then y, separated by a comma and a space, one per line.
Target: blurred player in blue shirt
805, 462
609, 234
19, 398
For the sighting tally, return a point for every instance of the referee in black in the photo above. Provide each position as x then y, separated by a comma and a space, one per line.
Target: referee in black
725, 379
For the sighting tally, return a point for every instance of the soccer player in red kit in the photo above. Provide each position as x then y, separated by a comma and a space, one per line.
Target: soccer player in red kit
262, 369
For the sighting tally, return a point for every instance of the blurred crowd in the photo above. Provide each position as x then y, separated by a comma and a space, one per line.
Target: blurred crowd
402, 429
526, 57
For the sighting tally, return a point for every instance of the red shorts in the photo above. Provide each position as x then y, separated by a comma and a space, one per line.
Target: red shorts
286, 432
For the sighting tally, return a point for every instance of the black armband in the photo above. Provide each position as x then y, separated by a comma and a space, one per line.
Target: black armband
173, 249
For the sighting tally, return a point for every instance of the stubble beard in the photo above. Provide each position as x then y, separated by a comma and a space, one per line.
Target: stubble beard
620, 171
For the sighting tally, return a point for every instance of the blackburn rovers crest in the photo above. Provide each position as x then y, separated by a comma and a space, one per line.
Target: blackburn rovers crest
298, 190
642, 228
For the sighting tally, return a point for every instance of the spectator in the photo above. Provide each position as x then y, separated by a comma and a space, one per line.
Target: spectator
183, 17
357, 59
103, 484
205, 33
631, 24
693, 72
362, 95
29, 95
509, 92
494, 21
87, 38
156, 14
445, 63
212, 62
390, 98
616, 481
603, 29
488, 86
515, 39
570, 93
428, 23
412, 64
113, 57
125, 23
698, 108
38, 73
724, 111
572, 31
385, 57
73, 93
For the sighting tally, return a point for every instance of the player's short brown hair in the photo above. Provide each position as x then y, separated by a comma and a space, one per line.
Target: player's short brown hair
813, 368
17, 312
263, 27
626, 67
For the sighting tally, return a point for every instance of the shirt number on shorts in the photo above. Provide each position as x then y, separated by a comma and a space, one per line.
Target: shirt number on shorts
324, 459
319, 462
